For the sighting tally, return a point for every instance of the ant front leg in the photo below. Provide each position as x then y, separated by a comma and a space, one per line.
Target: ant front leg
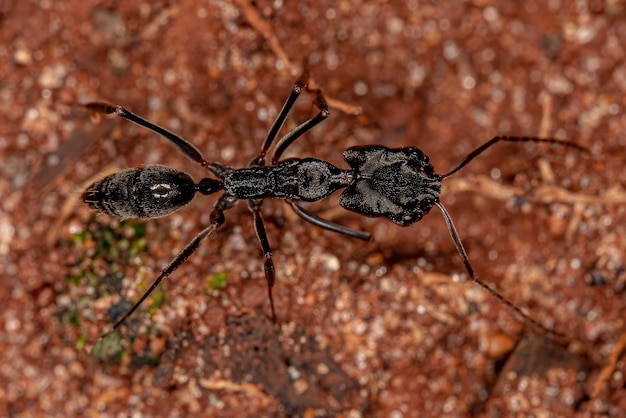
280, 120
291, 136
326, 224
259, 228
298, 131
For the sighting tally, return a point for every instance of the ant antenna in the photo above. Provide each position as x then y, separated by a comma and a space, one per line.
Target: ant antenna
497, 139
459, 248
457, 240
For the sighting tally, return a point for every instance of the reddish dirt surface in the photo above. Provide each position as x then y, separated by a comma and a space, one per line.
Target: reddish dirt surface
388, 328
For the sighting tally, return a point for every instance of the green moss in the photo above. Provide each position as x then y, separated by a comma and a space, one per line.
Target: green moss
104, 253
218, 281
157, 301
73, 319
140, 229
109, 349
81, 341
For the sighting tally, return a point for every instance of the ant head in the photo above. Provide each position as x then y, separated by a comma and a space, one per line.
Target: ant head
398, 184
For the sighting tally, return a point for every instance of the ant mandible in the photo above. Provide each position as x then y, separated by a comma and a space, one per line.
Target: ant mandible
398, 184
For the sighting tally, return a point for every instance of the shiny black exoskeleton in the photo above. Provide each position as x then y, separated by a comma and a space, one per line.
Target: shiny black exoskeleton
397, 184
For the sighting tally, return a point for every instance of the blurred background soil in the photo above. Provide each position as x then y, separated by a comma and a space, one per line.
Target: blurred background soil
388, 328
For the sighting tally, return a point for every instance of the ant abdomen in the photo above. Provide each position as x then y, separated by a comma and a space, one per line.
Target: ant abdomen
148, 192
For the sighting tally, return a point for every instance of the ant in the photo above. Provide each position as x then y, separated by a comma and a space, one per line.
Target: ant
398, 184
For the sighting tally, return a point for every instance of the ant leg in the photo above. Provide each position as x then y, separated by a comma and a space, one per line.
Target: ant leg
217, 219
323, 223
497, 139
259, 228
291, 136
459, 247
280, 119
182, 144
218, 169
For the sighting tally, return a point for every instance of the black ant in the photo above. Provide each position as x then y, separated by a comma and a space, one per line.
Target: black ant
398, 184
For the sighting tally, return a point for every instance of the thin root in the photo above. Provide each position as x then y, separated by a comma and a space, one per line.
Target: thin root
255, 20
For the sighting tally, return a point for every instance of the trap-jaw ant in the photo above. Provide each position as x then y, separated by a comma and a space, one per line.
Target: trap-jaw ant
398, 184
